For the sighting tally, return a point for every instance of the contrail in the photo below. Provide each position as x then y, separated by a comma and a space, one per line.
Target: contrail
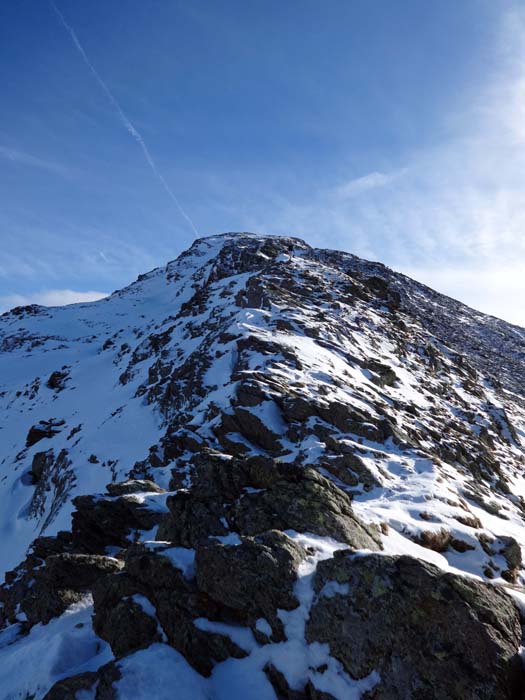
123, 117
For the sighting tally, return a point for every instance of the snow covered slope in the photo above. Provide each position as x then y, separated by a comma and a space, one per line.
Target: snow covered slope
410, 404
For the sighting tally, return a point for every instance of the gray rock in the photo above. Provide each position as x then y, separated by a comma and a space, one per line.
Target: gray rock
57, 380
79, 571
284, 692
42, 461
99, 521
428, 634
304, 501
126, 627
62, 581
99, 682
255, 577
177, 603
511, 551
43, 429
190, 520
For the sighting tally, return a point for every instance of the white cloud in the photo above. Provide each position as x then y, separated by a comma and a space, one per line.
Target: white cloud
363, 184
49, 297
22, 158
453, 213
496, 290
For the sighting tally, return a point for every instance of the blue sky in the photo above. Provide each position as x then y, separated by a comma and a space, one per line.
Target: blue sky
393, 130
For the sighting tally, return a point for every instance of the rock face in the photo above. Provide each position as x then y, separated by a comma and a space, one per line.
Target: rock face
304, 501
45, 588
429, 634
206, 480
256, 494
99, 522
256, 576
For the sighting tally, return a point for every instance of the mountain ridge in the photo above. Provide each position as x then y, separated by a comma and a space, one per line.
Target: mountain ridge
258, 395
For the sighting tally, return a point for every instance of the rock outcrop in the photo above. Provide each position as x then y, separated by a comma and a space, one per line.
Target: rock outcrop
427, 633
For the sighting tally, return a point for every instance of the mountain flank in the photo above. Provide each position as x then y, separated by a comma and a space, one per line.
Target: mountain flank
263, 471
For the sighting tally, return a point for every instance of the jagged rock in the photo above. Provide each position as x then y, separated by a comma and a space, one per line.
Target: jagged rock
348, 419
62, 581
251, 427
383, 375
99, 521
217, 481
378, 284
44, 429
427, 633
19, 590
79, 571
97, 684
296, 408
177, 443
350, 469
190, 520
44, 547
126, 627
218, 476
251, 348
177, 602
42, 461
258, 494
304, 501
54, 480
353, 462
124, 488
250, 393
256, 576
511, 551
57, 380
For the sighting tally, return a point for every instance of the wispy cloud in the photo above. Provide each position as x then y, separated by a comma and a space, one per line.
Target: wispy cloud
21, 158
456, 208
99, 259
125, 121
49, 297
371, 181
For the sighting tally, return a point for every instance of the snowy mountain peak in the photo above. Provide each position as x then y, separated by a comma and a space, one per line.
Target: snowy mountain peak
192, 458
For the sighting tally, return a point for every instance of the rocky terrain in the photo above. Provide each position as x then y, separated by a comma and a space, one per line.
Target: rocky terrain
264, 471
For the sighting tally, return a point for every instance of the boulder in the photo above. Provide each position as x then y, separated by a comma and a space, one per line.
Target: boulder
43, 429
511, 552
217, 481
250, 427
304, 501
57, 380
79, 571
190, 520
63, 580
284, 692
383, 375
68, 688
428, 634
126, 626
256, 577
99, 522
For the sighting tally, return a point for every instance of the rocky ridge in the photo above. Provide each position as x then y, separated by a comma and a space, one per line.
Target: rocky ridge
266, 471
